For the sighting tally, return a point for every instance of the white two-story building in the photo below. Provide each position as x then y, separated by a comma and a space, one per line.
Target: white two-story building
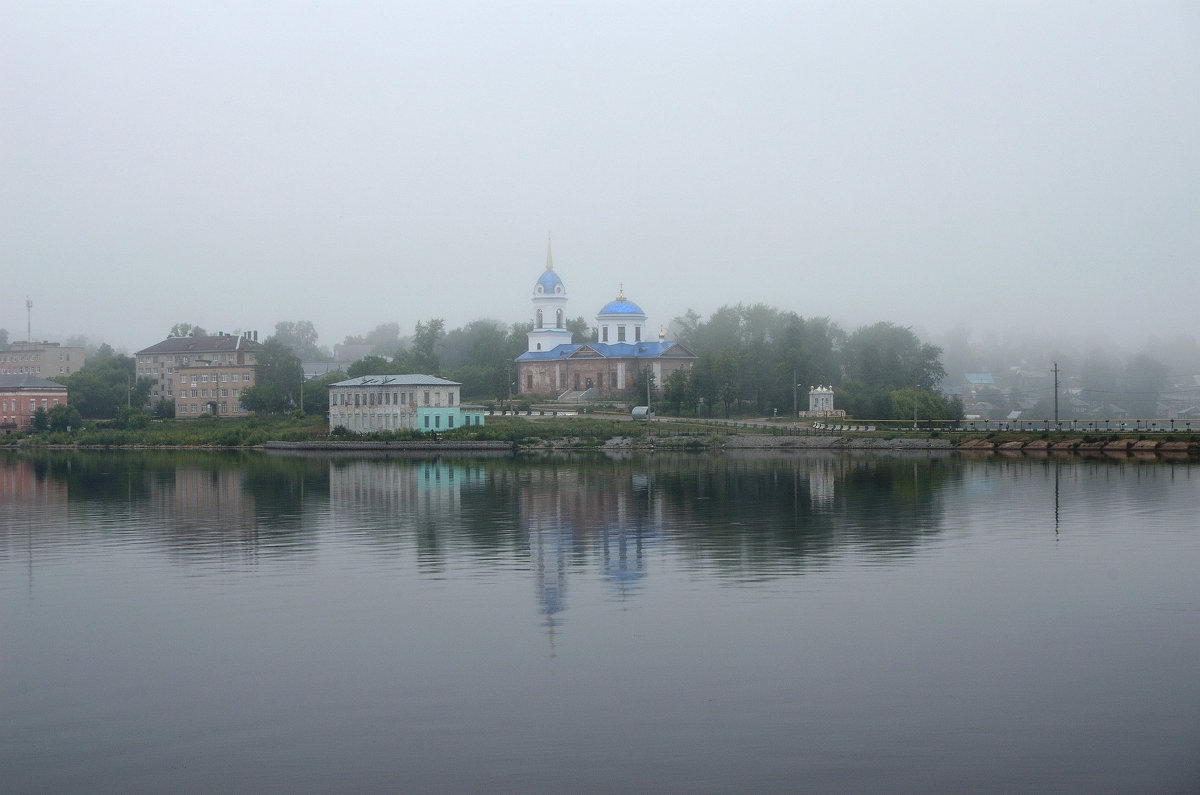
423, 403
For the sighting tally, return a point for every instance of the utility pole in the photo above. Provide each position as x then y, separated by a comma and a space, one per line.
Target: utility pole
795, 399
916, 383
28, 319
1056, 395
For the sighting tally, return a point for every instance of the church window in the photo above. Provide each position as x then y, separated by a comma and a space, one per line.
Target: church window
604, 333
539, 319
558, 320
539, 346
637, 333
620, 333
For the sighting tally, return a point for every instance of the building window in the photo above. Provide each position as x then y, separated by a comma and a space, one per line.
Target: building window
604, 333
558, 319
450, 422
450, 399
437, 421
637, 333
426, 398
426, 420
620, 333
529, 381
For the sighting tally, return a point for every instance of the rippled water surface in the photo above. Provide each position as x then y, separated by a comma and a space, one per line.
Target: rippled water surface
821, 622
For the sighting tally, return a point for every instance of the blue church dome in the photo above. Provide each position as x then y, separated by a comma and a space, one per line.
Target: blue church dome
549, 283
621, 306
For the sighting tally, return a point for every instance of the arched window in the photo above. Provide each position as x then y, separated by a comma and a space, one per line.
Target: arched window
558, 321
539, 319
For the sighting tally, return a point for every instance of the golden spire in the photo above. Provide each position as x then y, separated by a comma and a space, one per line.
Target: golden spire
549, 257
621, 292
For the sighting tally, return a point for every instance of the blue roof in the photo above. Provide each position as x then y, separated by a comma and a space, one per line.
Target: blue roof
549, 280
621, 306
616, 350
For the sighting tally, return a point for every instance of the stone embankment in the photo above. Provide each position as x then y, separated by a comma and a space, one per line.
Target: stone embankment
329, 445
1122, 447
762, 442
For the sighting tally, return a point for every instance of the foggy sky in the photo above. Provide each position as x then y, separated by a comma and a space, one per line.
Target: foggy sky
234, 164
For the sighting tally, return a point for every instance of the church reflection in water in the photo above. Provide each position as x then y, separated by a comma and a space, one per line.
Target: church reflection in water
734, 516
606, 520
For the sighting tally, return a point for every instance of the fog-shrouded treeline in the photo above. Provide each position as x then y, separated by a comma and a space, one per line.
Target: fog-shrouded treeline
752, 360
1097, 378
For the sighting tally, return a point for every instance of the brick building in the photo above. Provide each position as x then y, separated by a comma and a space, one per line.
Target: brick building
22, 395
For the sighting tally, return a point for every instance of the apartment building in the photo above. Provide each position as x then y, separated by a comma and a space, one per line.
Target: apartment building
202, 375
43, 359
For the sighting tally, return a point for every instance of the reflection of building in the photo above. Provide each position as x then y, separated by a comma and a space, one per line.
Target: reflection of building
555, 366
28, 490
201, 502
22, 395
417, 402
201, 375
47, 359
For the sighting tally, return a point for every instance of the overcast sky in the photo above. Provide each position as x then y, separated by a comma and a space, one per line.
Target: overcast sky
233, 164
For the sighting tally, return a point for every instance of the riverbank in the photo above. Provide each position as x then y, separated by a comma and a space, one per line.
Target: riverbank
733, 441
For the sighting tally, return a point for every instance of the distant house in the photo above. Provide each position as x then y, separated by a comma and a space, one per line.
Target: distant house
45, 359
22, 395
423, 403
202, 375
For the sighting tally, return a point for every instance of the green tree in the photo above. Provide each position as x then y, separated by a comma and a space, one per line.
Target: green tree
1143, 382
580, 330
642, 381
280, 378
678, 392
163, 409
40, 421
384, 340
316, 392
186, 330
426, 346
301, 337
105, 385
888, 355
64, 417
372, 365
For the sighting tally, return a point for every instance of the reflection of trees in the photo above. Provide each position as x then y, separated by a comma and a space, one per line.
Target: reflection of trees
197, 503
742, 514
755, 514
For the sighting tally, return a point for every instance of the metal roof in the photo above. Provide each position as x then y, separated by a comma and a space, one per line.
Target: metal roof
222, 343
611, 350
27, 381
411, 379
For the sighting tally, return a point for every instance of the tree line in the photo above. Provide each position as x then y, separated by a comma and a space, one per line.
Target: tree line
751, 360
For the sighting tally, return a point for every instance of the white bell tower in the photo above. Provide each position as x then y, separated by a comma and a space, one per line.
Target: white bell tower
549, 310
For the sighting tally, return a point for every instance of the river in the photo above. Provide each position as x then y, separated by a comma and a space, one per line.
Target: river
818, 621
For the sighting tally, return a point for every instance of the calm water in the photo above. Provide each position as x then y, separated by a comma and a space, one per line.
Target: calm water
818, 622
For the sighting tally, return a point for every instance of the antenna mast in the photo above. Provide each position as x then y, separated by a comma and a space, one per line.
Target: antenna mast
28, 319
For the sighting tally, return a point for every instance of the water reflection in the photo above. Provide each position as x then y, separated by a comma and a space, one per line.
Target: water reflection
738, 516
741, 516
192, 619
